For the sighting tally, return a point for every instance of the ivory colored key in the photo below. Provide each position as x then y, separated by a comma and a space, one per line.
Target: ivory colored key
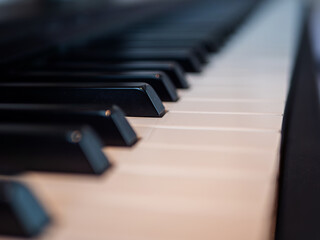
246, 164
273, 93
228, 106
206, 138
142, 203
211, 121
240, 81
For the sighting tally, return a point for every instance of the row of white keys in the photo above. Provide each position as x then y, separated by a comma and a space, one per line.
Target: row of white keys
207, 169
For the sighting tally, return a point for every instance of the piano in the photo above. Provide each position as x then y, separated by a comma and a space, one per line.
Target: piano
159, 120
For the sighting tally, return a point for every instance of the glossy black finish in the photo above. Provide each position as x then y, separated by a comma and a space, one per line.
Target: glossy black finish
199, 52
185, 58
54, 148
20, 212
210, 41
197, 46
299, 189
135, 99
110, 124
173, 70
30, 28
158, 80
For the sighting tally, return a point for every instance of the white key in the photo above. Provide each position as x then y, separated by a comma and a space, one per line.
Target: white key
224, 106
211, 121
272, 93
211, 139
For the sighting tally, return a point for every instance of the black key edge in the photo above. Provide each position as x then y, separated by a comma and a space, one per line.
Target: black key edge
125, 130
155, 100
91, 147
28, 217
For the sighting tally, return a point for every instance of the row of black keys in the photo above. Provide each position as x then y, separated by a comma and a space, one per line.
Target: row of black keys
57, 112
88, 83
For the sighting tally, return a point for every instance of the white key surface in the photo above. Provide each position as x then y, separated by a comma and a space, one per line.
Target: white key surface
212, 121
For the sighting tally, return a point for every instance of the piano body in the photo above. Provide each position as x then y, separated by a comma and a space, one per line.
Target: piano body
162, 120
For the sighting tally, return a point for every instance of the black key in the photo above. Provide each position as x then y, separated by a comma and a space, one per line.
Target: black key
50, 148
173, 70
210, 43
208, 35
158, 80
110, 124
200, 53
186, 59
20, 212
199, 48
135, 99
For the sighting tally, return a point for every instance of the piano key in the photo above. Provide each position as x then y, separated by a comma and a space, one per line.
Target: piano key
198, 47
135, 99
173, 70
211, 121
264, 92
135, 198
199, 50
158, 80
110, 124
51, 148
195, 31
176, 24
243, 79
20, 212
207, 35
249, 107
201, 54
196, 159
186, 59
211, 44
210, 138
208, 30
143, 182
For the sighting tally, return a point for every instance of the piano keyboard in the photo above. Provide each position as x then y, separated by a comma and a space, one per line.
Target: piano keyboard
208, 168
